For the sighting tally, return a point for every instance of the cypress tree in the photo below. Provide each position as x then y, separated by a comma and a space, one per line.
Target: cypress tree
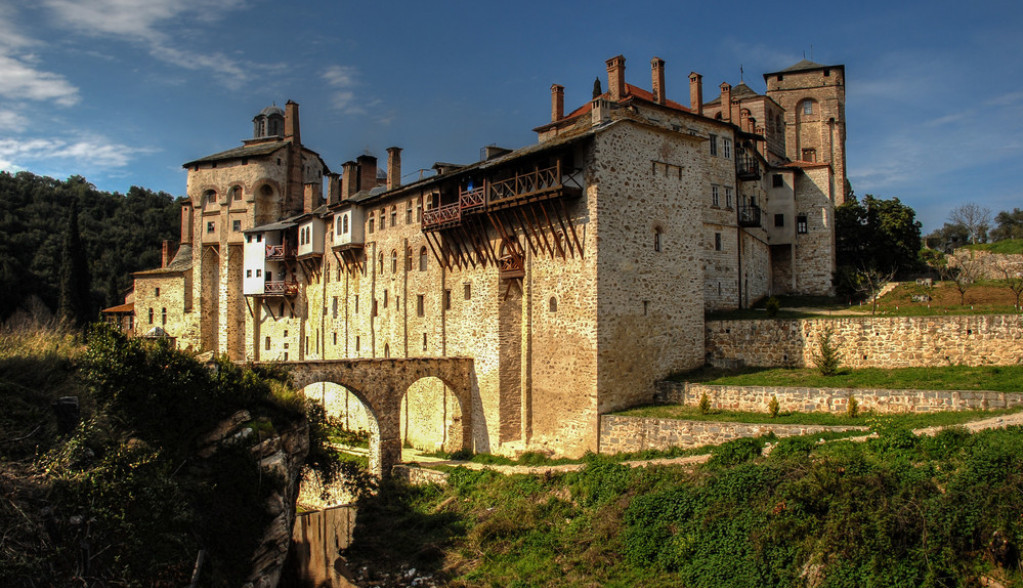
75, 307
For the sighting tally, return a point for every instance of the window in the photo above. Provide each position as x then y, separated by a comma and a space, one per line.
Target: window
728, 198
657, 239
157, 292
248, 273
266, 345
211, 227
424, 341
370, 227
385, 297
419, 210
447, 299
408, 212
779, 220
356, 342
714, 145
248, 238
468, 291
808, 106
356, 304
383, 218
335, 337
420, 305
717, 241
777, 181
801, 224
394, 216
726, 145
715, 196
150, 316
259, 238
380, 263
422, 259
408, 259
334, 308
163, 316
236, 225
553, 304
809, 155
394, 261
387, 350
375, 313
236, 193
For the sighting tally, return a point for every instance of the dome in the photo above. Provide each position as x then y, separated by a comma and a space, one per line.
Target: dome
271, 110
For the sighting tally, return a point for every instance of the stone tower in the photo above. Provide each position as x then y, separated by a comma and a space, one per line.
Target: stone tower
813, 96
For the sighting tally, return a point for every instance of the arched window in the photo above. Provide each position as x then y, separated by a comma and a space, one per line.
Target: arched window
553, 304
422, 259
408, 259
208, 197
419, 210
394, 261
236, 194
344, 225
370, 228
266, 190
408, 212
394, 216
387, 350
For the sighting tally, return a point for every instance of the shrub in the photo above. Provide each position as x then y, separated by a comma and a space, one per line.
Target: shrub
704, 403
827, 358
772, 306
852, 410
772, 407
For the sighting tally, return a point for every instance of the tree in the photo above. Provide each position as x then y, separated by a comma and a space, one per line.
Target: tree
975, 218
877, 233
868, 281
948, 238
75, 307
963, 273
1012, 274
1010, 225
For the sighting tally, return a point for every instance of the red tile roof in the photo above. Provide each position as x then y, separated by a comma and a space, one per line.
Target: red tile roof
630, 92
120, 309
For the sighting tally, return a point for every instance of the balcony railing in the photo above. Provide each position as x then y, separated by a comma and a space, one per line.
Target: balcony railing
526, 184
512, 267
475, 198
442, 215
279, 252
280, 288
747, 168
749, 216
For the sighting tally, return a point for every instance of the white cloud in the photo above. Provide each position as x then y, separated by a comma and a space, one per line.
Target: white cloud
341, 79
146, 22
86, 154
19, 81
12, 121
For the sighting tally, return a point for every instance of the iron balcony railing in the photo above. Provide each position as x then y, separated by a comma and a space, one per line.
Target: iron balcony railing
749, 216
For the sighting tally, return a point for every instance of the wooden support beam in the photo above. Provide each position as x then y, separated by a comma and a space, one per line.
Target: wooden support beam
525, 232
522, 210
440, 260
543, 234
486, 240
554, 231
570, 226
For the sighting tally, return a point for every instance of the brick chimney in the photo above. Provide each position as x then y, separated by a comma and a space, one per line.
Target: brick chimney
726, 102
616, 78
165, 253
349, 183
657, 79
367, 172
333, 188
291, 126
393, 167
696, 93
186, 223
557, 102
312, 194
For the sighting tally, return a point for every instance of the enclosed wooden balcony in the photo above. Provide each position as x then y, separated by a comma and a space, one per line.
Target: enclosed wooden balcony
512, 267
749, 216
281, 252
280, 289
747, 168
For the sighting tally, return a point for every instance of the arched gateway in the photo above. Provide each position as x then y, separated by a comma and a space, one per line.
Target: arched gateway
380, 385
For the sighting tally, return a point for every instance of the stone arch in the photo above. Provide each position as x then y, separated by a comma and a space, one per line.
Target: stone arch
206, 195
801, 107
431, 416
268, 199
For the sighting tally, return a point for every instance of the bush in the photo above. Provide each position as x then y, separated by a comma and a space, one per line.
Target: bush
772, 407
827, 358
852, 409
772, 306
704, 404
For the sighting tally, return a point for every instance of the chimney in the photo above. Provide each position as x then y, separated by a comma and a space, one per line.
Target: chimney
367, 172
696, 93
333, 188
616, 78
393, 167
744, 120
726, 102
311, 196
349, 183
291, 130
186, 223
657, 75
165, 255
557, 102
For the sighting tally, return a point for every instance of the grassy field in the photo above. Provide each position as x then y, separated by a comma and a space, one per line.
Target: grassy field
1006, 246
996, 378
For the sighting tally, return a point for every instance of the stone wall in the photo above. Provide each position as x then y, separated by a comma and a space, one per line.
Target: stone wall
885, 342
622, 434
835, 400
987, 265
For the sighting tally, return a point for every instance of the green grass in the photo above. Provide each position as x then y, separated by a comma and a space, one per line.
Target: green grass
906, 420
1006, 246
995, 378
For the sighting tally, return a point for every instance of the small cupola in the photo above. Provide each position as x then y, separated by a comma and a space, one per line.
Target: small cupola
268, 123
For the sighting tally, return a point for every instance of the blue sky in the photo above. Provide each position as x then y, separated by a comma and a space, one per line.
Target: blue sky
125, 91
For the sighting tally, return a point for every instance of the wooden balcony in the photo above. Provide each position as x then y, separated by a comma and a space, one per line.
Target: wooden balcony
442, 216
473, 199
524, 186
747, 168
280, 289
749, 216
280, 252
512, 267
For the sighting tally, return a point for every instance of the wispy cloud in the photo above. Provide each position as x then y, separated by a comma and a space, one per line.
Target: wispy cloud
146, 23
12, 121
20, 81
92, 153
342, 79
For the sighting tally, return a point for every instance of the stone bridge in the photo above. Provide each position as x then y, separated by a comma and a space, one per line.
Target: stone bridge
380, 384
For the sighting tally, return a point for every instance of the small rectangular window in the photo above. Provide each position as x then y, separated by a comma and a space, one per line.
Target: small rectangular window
777, 181
356, 342
468, 291
236, 225
779, 220
420, 305
375, 311
248, 273
715, 195
728, 198
717, 241
356, 304
447, 299
259, 238
801, 224
424, 341
267, 345
334, 310
714, 145
259, 273
248, 238
726, 145
157, 291
385, 298
211, 227
335, 337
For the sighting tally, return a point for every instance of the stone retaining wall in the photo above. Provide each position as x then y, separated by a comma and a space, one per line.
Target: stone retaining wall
417, 476
622, 434
886, 342
757, 398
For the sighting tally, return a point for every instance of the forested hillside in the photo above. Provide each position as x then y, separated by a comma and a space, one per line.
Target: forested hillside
121, 233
